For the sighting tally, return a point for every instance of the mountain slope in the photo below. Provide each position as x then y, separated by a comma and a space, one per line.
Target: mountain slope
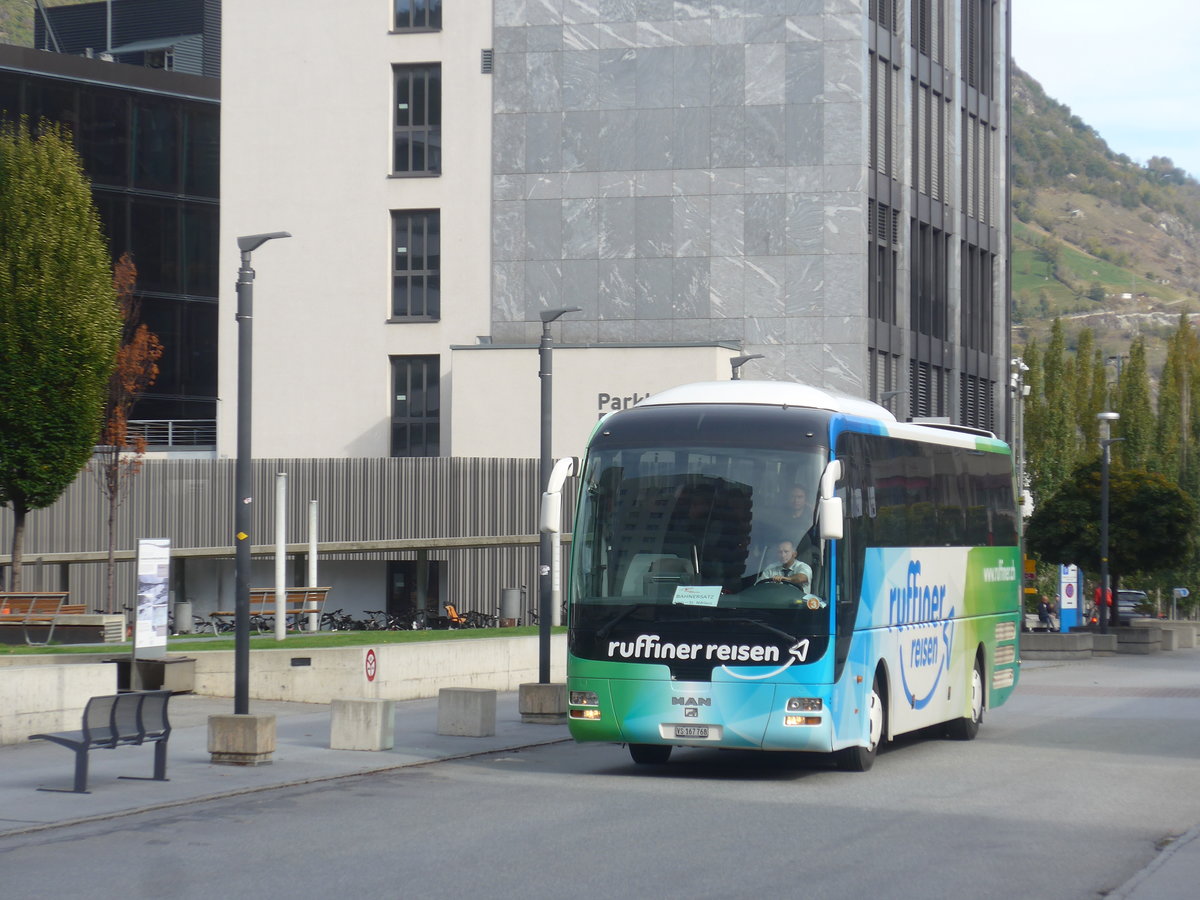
1098, 239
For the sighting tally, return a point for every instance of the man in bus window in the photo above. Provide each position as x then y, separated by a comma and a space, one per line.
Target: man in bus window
801, 511
788, 570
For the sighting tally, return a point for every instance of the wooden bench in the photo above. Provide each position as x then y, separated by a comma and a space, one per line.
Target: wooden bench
112, 721
41, 609
299, 603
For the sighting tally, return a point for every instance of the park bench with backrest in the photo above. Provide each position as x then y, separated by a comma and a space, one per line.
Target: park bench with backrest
39, 609
300, 603
116, 720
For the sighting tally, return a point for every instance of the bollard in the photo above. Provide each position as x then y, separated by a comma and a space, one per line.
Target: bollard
467, 712
362, 724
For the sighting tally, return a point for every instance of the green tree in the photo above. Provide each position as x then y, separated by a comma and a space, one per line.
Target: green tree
1137, 413
1151, 522
1169, 453
1051, 438
59, 322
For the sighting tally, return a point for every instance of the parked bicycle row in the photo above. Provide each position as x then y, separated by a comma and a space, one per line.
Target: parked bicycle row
339, 620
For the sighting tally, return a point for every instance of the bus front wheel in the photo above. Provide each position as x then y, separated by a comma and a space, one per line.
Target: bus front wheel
860, 759
650, 754
967, 727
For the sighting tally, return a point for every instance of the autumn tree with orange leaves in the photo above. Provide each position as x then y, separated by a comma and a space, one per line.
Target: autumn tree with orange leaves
118, 457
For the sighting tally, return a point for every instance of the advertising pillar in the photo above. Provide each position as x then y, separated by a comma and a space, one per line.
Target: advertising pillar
1070, 606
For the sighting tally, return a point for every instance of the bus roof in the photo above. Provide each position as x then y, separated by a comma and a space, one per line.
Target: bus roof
803, 396
768, 393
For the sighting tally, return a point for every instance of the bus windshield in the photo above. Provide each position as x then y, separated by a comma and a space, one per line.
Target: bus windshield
700, 527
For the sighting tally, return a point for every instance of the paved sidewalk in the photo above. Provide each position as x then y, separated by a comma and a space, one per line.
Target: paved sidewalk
302, 755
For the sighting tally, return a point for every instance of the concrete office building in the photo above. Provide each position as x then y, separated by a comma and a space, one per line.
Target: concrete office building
817, 181
821, 182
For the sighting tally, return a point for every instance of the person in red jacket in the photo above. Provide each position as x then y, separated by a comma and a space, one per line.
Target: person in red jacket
1096, 610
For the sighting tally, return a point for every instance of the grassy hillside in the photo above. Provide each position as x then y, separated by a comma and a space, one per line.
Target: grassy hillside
16, 19
1099, 239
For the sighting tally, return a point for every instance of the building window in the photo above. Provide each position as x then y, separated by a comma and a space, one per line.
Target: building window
418, 120
929, 294
416, 264
418, 15
416, 406
882, 254
926, 389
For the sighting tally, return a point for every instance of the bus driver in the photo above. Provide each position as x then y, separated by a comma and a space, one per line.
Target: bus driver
788, 570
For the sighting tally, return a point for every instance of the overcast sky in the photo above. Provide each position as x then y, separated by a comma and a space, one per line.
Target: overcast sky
1131, 70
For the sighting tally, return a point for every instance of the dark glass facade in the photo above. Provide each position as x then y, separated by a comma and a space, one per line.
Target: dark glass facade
153, 159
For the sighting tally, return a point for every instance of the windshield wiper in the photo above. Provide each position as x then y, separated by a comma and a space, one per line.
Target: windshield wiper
765, 627
603, 630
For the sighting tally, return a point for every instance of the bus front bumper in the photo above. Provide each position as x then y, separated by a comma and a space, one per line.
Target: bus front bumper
739, 715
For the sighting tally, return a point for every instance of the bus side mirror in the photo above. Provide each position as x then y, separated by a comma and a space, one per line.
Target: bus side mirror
550, 514
831, 519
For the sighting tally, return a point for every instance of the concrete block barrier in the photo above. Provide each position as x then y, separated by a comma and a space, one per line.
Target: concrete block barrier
362, 724
1183, 633
241, 740
1141, 639
468, 712
1052, 645
542, 704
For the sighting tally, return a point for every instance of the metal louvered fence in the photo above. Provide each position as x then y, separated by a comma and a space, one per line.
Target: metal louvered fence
474, 520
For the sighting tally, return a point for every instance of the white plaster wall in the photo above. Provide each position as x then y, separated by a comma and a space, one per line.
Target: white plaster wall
403, 671
306, 143
500, 385
35, 699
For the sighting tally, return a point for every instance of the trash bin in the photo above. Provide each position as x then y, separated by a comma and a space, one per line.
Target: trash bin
183, 617
510, 607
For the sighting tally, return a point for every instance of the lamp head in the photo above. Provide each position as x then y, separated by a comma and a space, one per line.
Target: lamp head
251, 242
549, 315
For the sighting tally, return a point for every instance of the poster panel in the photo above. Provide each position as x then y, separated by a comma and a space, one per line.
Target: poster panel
153, 592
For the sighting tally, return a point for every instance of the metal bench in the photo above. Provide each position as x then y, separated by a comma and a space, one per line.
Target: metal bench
299, 603
115, 720
36, 609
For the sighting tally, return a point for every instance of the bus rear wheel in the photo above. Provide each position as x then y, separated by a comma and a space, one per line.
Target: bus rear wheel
860, 759
967, 727
650, 754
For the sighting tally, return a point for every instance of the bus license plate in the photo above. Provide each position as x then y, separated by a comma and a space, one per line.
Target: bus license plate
691, 731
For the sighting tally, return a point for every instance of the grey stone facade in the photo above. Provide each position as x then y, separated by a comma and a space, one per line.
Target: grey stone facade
685, 171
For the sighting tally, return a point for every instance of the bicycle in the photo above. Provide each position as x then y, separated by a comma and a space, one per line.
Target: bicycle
337, 620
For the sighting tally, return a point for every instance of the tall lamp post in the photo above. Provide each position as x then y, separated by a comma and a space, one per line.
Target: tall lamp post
546, 543
1106, 419
738, 361
1020, 391
242, 515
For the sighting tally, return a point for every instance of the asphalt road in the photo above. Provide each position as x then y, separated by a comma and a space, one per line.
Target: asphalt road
1065, 794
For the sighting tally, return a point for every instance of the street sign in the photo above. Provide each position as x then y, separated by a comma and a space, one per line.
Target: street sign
1180, 593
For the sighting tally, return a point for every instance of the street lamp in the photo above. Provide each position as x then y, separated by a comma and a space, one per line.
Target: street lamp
738, 361
1106, 419
1020, 391
546, 542
243, 470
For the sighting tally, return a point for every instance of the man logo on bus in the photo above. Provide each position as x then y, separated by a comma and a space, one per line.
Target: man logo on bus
927, 634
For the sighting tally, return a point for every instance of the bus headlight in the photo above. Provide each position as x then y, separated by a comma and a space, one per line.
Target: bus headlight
804, 704
585, 714
584, 698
